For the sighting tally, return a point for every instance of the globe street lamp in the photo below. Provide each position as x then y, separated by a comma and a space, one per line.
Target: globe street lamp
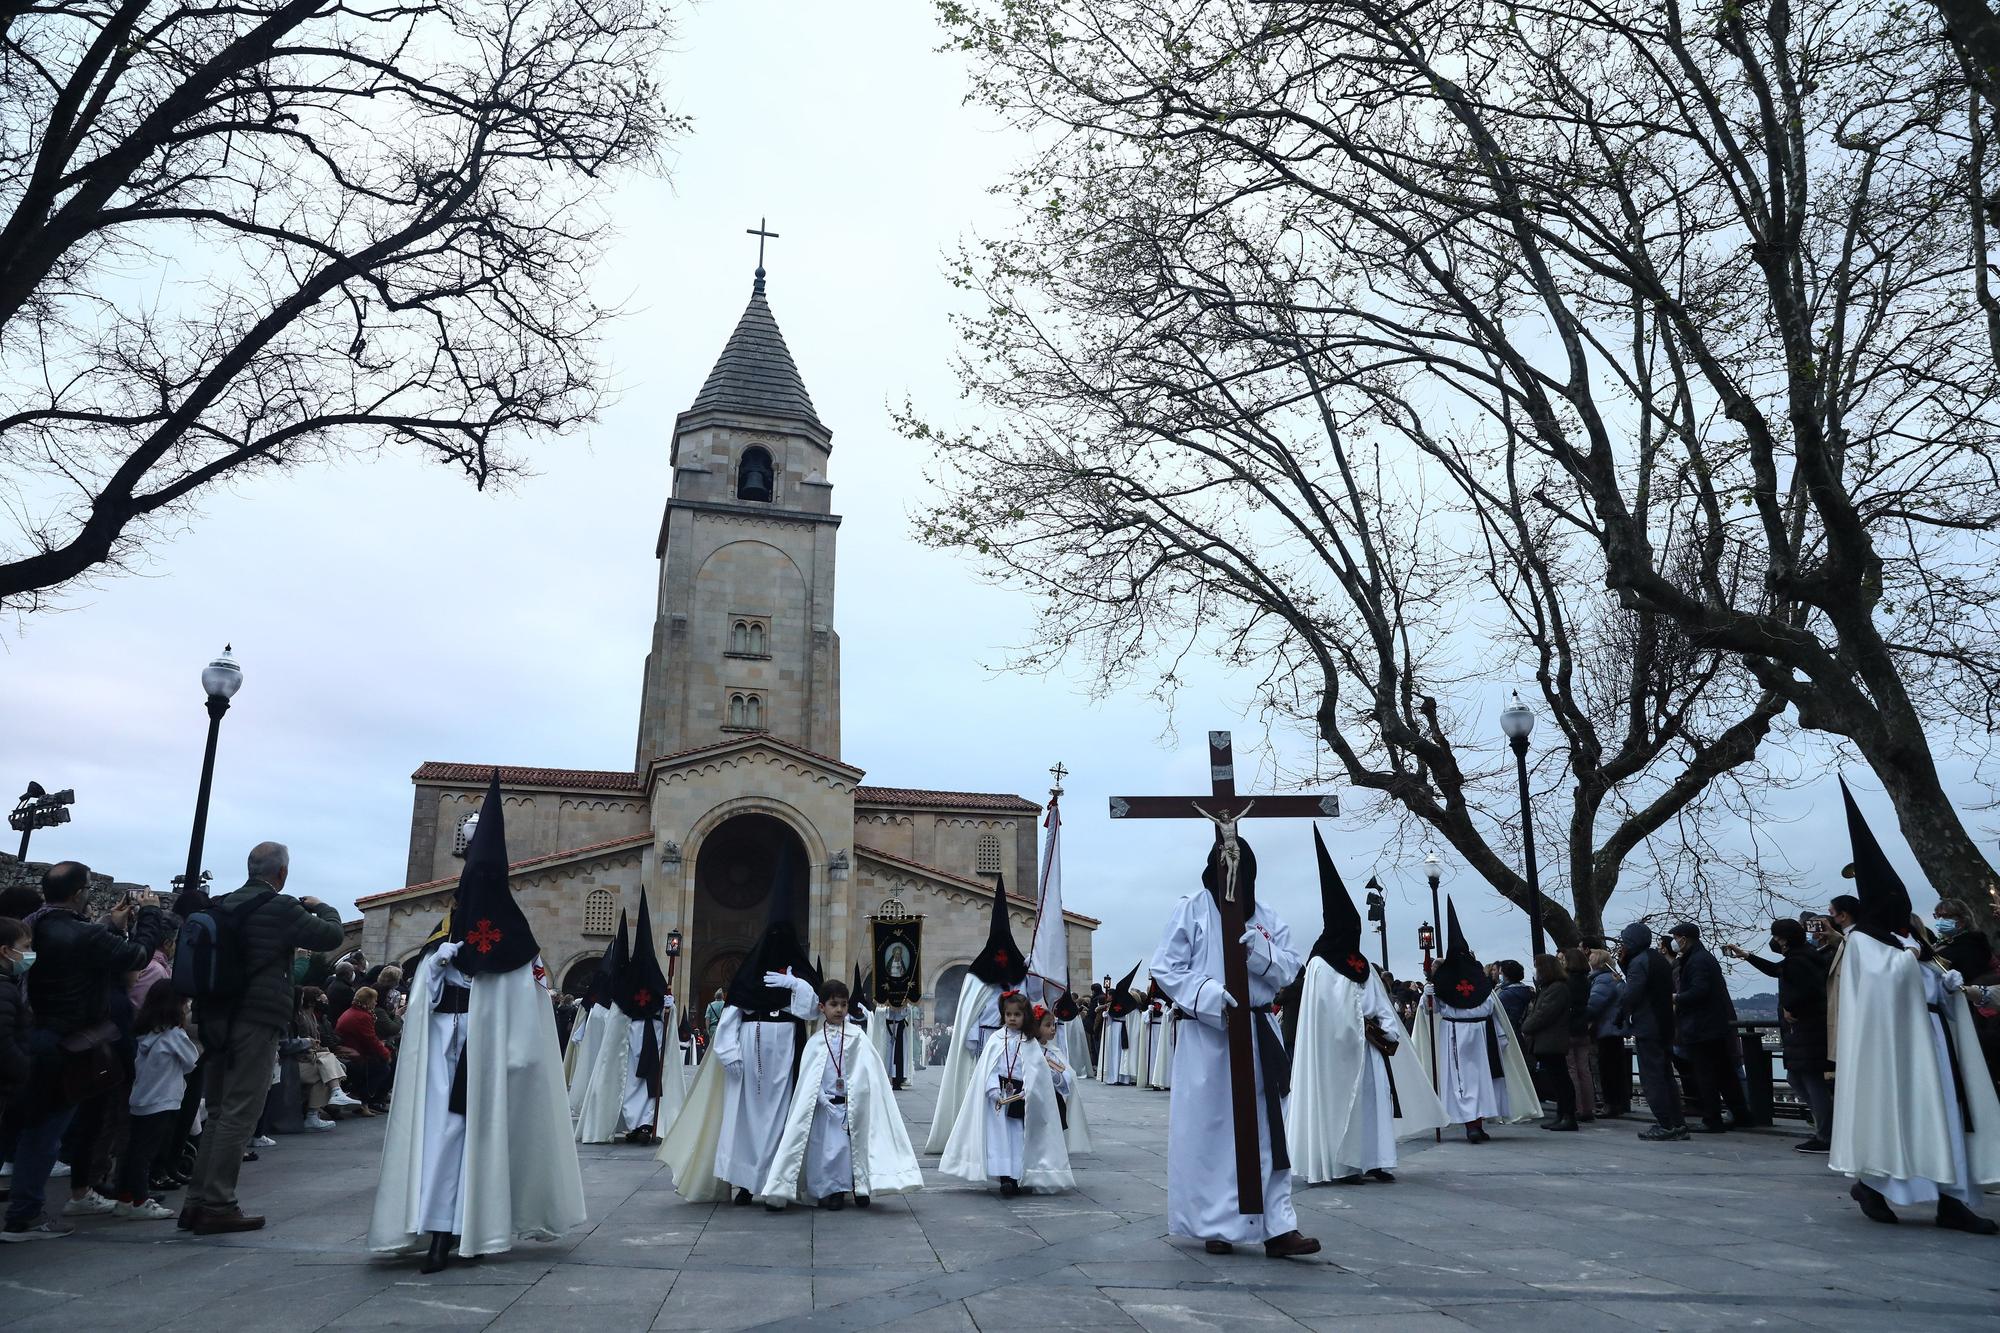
220, 680
1516, 721
1433, 872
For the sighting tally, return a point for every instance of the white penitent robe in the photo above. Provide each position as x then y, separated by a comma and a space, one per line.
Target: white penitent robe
600, 1111
638, 1108
581, 1057
978, 1015
1897, 1124
1117, 1062
726, 1135
507, 1168
1467, 1086
1160, 1068
1342, 1118
894, 1034
1201, 1122
1075, 1043
1069, 1080
855, 1143
986, 1143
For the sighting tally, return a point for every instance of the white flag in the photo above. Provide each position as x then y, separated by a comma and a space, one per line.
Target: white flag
1048, 957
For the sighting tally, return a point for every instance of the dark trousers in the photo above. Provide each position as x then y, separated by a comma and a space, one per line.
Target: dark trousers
237, 1081
1715, 1082
1614, 1075
1806, 1072
1656, 1081
1552, 1078
146, 1136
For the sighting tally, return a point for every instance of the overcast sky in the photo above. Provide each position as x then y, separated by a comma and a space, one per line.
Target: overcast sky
386, 614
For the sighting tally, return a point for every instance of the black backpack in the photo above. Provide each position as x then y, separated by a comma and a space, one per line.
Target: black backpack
212, 960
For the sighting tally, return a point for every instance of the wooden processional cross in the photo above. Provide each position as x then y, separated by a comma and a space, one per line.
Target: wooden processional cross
1223, 808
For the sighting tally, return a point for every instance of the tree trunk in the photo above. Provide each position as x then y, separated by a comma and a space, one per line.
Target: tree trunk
1949, 857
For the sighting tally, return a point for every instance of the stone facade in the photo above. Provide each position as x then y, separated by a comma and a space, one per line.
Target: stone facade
738, 790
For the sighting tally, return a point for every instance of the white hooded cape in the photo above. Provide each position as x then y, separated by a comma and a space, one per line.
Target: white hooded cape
1044, 1152
1524, 1101
1890, 1116
1076, 1047
1076, 1132
1322, 1130
521, 1177
581, 1056
878, 1037
688, 1146
600, 1110
958, 1062
884, 1162
638, 1106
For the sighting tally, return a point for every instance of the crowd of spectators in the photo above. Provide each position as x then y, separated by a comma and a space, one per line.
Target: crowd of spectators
117, 1093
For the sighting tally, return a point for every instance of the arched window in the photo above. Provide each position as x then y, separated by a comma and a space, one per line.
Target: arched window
755, 477
753, 710
756, 640
739, 637
737, 711
600, 912
988, 854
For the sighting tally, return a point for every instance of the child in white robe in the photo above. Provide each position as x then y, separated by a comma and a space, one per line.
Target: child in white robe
1009, 1129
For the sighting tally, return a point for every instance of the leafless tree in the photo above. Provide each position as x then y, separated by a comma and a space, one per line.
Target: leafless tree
240, 237
1698, 290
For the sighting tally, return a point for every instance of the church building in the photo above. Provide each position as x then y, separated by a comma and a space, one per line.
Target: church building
738, 768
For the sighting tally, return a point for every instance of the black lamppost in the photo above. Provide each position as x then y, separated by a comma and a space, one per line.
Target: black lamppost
220, 680
1517, 720
38, 808
1378, 912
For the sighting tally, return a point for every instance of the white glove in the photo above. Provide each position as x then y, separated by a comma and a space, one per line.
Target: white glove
783, 979
1429, 990
1256, 942
1953, 983
448, 951
1228, 1000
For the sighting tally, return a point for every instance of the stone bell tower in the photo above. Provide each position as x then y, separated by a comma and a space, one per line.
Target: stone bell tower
743, 641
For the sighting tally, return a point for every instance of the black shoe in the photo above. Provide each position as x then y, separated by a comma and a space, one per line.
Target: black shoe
1955, 1216
1566, 1126
833, 1203
439, 1253
1873, 1206
1816, 1146
1354, 1179
742, 1198
1477, 1136
1706, 1127
862, 1201
1661, 1134
1009, 1187
1382, 1174
1218, 1247
1551, 1121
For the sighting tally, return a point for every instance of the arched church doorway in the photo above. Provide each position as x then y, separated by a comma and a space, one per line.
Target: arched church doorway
944, 995
734, 876
581, 973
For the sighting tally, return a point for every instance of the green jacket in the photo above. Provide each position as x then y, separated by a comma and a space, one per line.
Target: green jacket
274, 931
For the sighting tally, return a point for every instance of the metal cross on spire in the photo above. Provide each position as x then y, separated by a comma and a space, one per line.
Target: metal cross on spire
763, 233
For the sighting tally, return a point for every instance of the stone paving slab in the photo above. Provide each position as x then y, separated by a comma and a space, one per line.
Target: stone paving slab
1531, 1231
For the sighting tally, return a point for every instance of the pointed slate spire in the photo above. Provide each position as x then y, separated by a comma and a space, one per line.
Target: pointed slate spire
755, 373
484, 916
1459, 979
1001, 963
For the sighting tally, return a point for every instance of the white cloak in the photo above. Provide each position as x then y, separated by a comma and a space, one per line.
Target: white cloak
581, 1057
981, 1133
879, 1031
1342, 1119
975, 998
600, 1113
1069, 1079
1115, 1046
865, 1134
1466, 1088
1896, 1120
1160, 1065
1201, 1121
1075, 1044
520, 1176
726, 1135
638, 1108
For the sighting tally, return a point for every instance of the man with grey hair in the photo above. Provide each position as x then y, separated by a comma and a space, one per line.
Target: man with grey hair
240, 1031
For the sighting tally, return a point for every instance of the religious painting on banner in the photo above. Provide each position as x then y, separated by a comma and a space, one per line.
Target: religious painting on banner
898, 959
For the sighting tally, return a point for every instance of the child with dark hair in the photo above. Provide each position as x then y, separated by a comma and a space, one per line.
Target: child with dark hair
167, 1053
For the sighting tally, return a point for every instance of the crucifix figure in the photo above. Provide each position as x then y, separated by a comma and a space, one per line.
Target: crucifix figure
1225, 809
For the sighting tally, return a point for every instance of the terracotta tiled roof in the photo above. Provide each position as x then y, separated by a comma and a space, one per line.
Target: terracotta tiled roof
952, 877
947, 800
570, 779
615, 844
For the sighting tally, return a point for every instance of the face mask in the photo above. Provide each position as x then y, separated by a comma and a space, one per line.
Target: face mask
24, 962
1945, 926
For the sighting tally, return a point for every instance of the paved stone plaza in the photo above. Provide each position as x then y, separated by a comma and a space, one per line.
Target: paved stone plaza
1533, 1231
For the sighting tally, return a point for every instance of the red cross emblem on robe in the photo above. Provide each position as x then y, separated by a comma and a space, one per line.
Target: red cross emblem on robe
1465, 988
483, 936
1356, 963
642, 997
